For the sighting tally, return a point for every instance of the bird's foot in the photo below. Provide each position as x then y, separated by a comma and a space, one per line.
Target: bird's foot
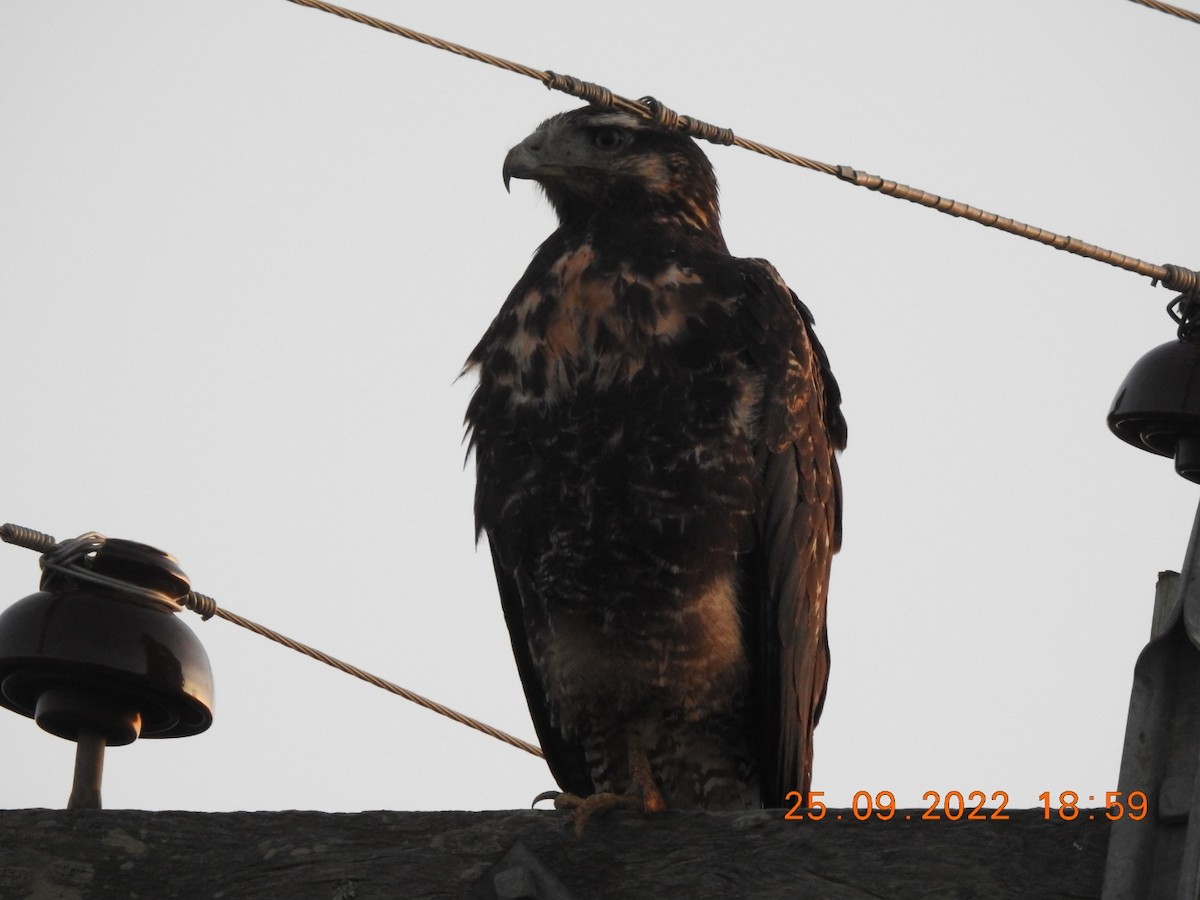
643, 793
583, 808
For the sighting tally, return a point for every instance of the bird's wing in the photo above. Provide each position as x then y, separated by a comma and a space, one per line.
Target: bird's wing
565, 760
798, 525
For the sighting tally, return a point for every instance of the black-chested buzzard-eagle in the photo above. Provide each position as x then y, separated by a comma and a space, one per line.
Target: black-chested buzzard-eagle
654, 432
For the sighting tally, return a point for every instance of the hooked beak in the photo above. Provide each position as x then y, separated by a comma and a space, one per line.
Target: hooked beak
521, 162
527, 159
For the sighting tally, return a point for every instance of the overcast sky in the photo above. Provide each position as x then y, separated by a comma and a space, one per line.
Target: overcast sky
246, 246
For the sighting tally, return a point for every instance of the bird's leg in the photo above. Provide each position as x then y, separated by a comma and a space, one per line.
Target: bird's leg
641, 779
643, 794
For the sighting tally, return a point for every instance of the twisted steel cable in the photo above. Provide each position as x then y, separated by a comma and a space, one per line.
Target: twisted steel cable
207, 608
1173, 277
1171, 10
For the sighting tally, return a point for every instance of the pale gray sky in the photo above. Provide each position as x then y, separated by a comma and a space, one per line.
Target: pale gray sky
245, 248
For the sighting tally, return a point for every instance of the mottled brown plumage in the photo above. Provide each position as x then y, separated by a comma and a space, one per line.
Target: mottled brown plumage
654, 432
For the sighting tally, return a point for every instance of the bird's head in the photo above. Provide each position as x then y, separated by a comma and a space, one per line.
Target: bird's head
594, 160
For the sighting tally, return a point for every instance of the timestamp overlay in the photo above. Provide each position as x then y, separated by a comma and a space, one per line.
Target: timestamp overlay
967, 806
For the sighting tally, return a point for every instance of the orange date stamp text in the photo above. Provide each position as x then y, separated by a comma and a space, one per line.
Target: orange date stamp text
968, 806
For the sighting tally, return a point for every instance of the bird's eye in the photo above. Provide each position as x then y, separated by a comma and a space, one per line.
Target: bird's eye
607, 138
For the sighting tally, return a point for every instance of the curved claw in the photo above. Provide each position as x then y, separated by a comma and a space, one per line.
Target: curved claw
545, 795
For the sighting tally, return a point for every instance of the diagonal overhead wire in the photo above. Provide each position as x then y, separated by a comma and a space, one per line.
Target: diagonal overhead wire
206, 607
585, 90
1172, 277
1171, 10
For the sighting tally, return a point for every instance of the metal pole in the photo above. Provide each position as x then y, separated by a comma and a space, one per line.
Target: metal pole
1157, 857
89, 770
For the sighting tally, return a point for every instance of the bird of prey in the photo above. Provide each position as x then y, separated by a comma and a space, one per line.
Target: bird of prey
654, 429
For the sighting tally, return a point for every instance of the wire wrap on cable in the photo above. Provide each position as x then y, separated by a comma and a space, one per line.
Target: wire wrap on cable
577, 87
1177, 278
201, 604
20, 536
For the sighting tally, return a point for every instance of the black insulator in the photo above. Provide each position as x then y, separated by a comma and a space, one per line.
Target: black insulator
1157, 407
99, 656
